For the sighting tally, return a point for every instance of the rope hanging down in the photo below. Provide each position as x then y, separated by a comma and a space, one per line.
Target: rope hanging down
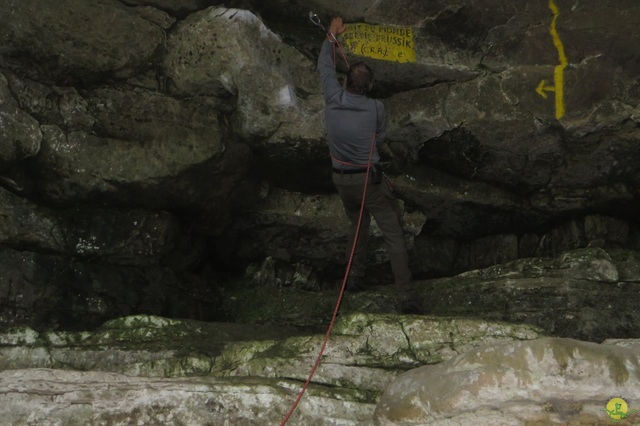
340, 296
314, 18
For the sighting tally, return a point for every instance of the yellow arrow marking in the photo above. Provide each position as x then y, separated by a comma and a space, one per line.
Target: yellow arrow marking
558, 71
542, 88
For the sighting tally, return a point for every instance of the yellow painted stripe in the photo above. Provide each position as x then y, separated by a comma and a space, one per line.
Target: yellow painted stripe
558, 72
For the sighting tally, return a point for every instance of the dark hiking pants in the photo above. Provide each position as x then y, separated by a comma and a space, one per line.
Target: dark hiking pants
383, 206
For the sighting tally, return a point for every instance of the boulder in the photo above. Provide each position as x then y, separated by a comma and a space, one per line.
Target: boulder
90, 397
74, 42
20, 134
154, 370
547, 381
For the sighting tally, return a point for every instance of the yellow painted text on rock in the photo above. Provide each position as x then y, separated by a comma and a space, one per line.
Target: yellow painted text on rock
389, 43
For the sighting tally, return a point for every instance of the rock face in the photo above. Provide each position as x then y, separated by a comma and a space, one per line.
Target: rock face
189, 138
153, 370
546, 381
168, 158
587, 294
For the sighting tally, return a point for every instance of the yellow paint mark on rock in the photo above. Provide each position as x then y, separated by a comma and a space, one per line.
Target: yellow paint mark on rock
389, 43
558, 72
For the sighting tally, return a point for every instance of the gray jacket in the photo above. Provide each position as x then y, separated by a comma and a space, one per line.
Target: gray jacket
351, 120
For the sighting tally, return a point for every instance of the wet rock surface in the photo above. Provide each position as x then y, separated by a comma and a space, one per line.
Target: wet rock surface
163, 159
211, 118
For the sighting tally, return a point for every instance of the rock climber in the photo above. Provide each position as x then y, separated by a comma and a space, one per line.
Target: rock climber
355, 125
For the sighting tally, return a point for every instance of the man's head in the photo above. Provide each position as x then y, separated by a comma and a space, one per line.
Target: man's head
360, 79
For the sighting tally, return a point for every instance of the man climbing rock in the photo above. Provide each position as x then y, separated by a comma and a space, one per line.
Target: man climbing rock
355, 127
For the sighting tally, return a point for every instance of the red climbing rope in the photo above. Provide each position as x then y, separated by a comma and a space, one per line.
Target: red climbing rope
342, 289
316, 364
337, 44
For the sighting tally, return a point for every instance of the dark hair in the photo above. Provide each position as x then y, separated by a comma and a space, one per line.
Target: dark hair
360, 79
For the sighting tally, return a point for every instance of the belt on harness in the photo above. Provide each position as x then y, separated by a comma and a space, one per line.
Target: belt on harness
353, 168
376, 172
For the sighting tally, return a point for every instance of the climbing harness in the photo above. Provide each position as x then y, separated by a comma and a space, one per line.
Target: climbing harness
316, 20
